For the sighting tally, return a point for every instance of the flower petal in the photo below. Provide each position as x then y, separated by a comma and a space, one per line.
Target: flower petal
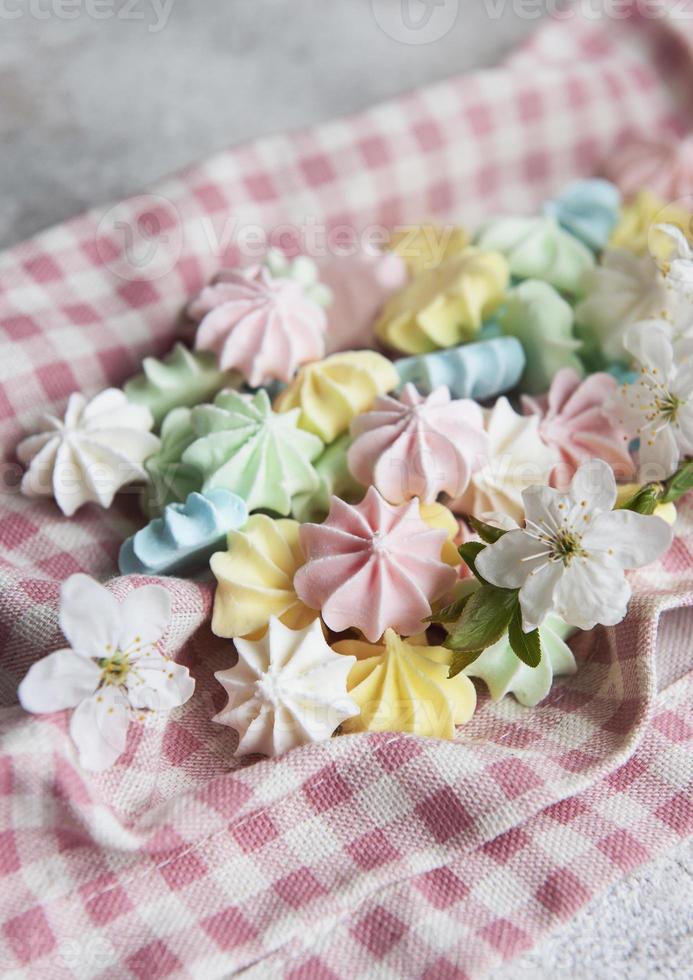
592, 591
61, 680
594, 482
99, 728
89, 616
509, 561
145, 616
659, 456
159, 684
537, 594
649, 343
631, 539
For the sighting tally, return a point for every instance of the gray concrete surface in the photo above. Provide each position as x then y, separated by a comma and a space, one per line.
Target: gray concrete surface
92, 109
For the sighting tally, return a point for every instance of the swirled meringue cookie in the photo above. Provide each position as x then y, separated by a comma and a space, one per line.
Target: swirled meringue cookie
538, 248
542, 321
401, 686
372, 566
517, 458
574, 423
360, 285
619, 292
185, 537
588, 209
287, 689
664, 165
302, 270
182, 378
245, 447
424, 247
255, 579
418, 445
636, 229
89, 455
170, 480
504, 673
480, 371
440, 518
261, 326
446, 305
335, 479
329, 393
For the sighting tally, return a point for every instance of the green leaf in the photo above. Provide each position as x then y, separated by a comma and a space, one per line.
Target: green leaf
462, 660
644, 500
469, 552
678, 484
484, 619
450, 613
486, 532
526, 646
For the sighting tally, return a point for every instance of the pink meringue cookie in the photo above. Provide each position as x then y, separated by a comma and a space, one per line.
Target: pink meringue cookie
418, 446
665, 166
574, 423
373, 566
360, 286
263, 326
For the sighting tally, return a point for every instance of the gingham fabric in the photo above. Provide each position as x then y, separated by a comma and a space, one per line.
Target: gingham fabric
370, 855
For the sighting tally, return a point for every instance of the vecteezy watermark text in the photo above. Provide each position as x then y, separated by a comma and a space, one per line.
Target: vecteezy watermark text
154, 14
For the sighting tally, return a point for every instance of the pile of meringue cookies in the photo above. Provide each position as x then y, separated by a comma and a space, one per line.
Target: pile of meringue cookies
406, 469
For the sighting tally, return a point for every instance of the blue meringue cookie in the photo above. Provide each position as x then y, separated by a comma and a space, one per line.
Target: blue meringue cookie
481, 370
589, 210
185, 536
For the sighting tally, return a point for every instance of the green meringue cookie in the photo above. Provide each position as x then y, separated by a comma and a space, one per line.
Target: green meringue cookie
335, 480
538, 248
171, 480
182, 378
261, 455
542, 321
504, 673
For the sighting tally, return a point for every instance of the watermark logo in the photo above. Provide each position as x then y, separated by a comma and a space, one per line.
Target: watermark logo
140, 240
416, 21
154, 14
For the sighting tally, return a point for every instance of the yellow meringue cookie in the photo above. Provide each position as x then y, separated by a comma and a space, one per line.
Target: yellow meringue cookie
425, 246
666, 511
441, 518
635, 229
332, 391
255, 579
401, 686
445, 306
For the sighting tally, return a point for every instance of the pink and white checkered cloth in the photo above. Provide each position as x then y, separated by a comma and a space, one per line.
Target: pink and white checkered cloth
369, 855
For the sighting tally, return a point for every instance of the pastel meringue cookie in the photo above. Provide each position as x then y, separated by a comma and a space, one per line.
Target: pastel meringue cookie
417, 445
636, 229
288, 689
619, 292
183, 539
663, 165
542, 321
403, 687
479, 370
170, 480
245, 447
517, 458
303, 270
574, 422
330, 393
335, 479
504, 673
182, 378
98, 447
588, 209
424, 247
255, 578
439, 517
360, 285
445, 305
538, 248
371, 566
259, 325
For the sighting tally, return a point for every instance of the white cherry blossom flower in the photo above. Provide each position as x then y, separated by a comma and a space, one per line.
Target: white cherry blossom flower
570, 557
113, 669
658, 407
679, 265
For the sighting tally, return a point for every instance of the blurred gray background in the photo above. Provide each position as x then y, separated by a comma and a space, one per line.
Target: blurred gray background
98, 105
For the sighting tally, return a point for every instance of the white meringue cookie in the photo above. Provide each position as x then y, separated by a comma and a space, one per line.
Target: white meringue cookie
97, 448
